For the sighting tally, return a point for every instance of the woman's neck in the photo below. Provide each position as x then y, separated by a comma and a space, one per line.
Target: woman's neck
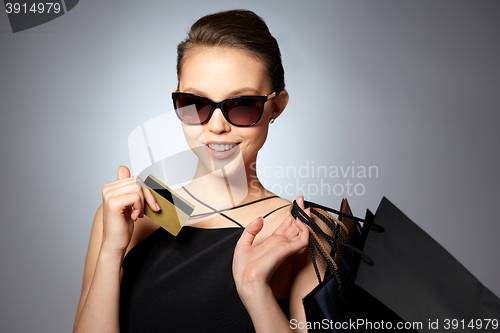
223, 189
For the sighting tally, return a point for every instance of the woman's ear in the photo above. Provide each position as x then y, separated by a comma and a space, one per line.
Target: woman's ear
280, 102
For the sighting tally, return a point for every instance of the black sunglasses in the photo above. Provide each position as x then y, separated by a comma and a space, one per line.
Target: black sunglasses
241, 111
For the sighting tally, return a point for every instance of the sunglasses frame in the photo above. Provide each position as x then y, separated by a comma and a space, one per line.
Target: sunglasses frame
220, 105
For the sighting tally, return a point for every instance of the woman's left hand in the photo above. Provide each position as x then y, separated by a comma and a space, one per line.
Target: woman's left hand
253, 265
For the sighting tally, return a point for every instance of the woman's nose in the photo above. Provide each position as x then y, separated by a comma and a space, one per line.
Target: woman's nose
217, 123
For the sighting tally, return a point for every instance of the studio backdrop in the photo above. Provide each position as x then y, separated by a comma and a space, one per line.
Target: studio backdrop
387, 98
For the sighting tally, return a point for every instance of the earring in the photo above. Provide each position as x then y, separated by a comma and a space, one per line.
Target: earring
271, 121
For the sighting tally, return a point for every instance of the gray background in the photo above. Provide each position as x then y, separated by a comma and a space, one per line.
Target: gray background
411, 87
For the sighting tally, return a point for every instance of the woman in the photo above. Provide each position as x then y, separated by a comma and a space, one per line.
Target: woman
241, 269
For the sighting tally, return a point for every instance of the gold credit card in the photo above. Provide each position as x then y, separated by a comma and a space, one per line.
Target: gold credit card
174, 210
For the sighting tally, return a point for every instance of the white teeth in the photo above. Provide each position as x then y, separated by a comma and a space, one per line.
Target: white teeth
225, 147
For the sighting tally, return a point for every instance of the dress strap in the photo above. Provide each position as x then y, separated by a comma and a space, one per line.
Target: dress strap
215, 210
228, 209
252, 202
275, 210
220, 211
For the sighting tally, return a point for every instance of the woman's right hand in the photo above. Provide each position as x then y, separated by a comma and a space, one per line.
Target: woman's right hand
123, 204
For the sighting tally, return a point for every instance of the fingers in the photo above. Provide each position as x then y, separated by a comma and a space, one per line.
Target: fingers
295, 238
303, 238
250, 232
290, 227
148, 196
298, 237
308, 212
123, 172
300, 201
133, 193
284, 225
137, 208
301, 225
119, 204
292, 231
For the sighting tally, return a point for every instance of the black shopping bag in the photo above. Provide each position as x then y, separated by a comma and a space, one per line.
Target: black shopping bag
414, 285
419, 280
325, 307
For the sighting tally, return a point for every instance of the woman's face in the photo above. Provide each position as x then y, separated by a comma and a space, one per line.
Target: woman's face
220, 73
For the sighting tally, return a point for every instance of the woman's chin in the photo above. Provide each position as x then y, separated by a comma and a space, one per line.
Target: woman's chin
231, 166
230, 171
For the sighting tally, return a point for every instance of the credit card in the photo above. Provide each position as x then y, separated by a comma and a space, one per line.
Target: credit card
174, 209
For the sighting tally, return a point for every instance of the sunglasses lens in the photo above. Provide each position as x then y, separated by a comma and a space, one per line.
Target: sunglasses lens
243, 111
192, 109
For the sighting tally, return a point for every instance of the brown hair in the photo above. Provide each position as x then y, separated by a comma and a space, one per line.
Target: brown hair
242, 29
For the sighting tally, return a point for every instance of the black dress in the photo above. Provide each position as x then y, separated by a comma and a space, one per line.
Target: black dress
183, 283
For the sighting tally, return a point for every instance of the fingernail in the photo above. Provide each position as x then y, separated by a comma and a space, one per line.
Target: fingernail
157, 207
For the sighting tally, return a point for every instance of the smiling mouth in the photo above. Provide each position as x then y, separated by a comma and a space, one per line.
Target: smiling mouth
221, 147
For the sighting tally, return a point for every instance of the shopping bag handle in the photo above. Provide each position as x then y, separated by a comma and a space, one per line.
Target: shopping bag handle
297, 212
375, 226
